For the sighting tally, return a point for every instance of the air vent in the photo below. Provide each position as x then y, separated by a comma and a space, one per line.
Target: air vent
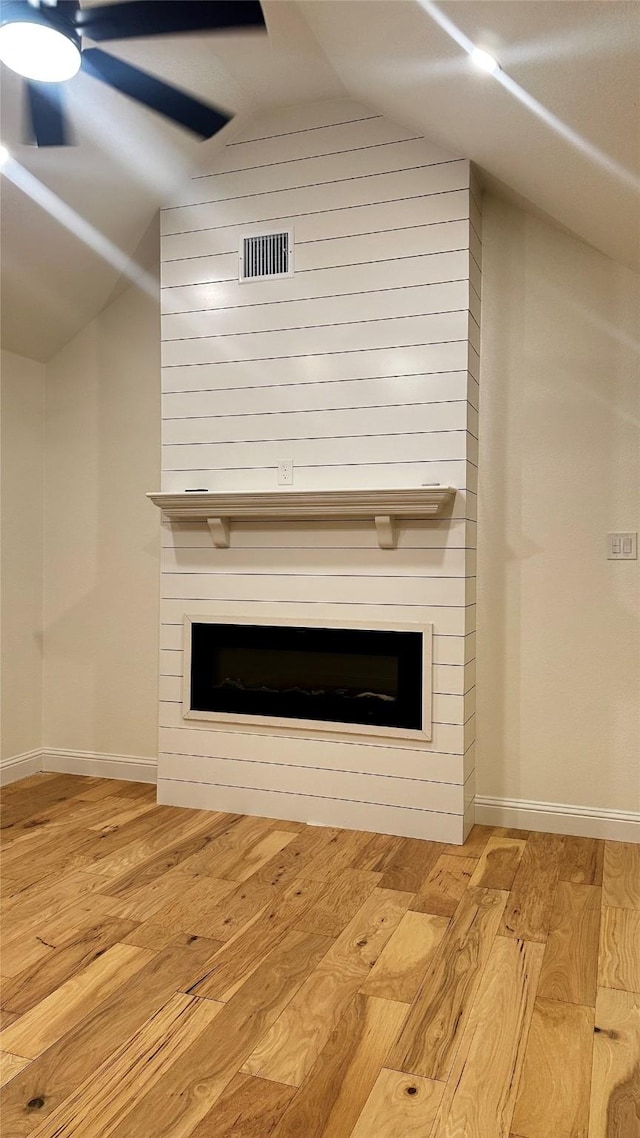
266, 255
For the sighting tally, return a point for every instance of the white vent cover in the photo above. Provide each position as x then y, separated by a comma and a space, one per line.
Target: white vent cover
266, 255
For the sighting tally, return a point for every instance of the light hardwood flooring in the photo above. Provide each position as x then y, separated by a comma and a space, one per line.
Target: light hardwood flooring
170, 973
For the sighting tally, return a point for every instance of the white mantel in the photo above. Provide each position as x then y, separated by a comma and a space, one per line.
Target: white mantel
383, 507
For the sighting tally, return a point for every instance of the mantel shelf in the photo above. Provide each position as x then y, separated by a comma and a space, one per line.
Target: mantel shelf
383, 507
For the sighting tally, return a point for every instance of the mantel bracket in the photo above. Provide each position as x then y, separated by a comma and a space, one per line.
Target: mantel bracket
386, 531
219, 530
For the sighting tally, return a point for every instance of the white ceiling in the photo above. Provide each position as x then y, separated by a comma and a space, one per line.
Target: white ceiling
563, 134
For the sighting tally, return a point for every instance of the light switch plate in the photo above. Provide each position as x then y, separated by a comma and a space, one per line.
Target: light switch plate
622, 546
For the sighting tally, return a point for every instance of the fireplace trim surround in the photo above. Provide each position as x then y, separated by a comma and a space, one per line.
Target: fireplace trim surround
319, 727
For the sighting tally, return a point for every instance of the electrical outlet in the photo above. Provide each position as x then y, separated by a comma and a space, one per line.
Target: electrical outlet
285, 472
622, 546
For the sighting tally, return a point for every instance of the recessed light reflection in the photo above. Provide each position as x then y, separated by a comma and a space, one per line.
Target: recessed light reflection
483, 61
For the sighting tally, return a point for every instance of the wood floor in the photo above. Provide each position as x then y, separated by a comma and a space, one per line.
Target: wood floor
171, 972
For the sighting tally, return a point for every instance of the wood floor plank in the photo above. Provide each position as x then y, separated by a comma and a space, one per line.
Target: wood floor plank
45, 1023
248, 1108
30, 1098
33, 800
126, 810
172, 902
399, 1106
228, 845
137, 842
339, 853
378, 852
528, 911
23, 949
288, 864
403, 962
289, 1050
479, 1098
441, 892
615, 1081
240, 866
10, 1066
439, 1014
29, 987
621, 875
570, 966
410, 865
474, 845
338, 902
134, 1069
334, 1094
582, 860
142, 903
553, 1096
619, 959
239, 957
173, 857
497, 866
196, 1081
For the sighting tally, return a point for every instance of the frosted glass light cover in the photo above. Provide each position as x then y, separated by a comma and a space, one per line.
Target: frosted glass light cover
38, 52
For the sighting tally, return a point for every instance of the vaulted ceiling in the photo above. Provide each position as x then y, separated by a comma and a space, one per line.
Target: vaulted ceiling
560, 131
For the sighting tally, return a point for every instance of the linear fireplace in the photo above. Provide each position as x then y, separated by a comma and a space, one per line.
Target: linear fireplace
340, 678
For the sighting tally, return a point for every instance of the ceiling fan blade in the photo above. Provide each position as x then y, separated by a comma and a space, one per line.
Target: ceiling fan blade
169, 101
167, 17
44, 101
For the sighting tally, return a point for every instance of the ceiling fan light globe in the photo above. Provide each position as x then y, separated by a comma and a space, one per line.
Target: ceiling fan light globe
38, 51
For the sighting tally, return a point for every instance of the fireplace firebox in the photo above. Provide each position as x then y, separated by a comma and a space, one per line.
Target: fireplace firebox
371, 680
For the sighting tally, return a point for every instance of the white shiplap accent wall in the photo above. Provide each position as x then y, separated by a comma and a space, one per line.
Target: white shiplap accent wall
362, 367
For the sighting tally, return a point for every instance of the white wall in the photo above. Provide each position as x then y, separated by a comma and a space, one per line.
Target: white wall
558, 632
357, 367
22, 406
102, 547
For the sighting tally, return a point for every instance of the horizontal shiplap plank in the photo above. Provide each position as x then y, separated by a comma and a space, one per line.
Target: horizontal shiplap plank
343, 194
435, 247
441, 534
329, 588
377, 756
345, 363
331, 137
341, 475
284, 400
299, 117
268, 176
334, 424
435, 562
360, 334
384, 304
380, 789
447, 620
324, 223
423, 446
315, 811
305, 289
447, 738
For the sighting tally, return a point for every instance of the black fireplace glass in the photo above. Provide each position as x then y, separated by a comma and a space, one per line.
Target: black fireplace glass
335, 675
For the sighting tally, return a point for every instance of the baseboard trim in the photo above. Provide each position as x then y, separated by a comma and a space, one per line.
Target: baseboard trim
559, 818
133, 768
20, 766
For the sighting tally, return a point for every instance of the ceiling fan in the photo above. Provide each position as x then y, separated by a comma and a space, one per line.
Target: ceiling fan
42, 41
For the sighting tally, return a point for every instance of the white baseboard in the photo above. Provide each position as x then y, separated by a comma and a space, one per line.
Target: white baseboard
20, 766
99, 765
559, 818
